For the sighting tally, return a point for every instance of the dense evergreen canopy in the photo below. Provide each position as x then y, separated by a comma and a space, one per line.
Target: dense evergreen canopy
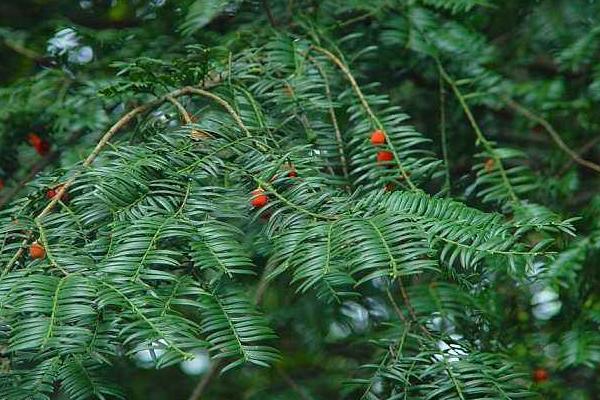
297, 199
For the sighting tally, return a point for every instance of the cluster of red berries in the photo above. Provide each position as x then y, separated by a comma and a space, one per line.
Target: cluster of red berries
378, 139
383, 156
41, 146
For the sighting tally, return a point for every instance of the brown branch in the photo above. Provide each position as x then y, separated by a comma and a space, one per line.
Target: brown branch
481, 139
262, 286
338, 133
410, 308
99, 146
223, 103
122, 123
88, 161
395, 306
584, 149
185, 116
17, 48
365, 104
267, 7
353, 20
203, 383
293, 385
35, 169
196, 134
553, 133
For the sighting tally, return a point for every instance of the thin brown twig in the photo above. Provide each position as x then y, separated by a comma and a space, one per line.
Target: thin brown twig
187, 119
122, 122
203, 383
262, 286
99, 146
61, 191
443, 134
424, 329
338, 133
267, 7
223, 103
35, 169
24, 51
292, 384
361, 97
355, 19
395, 306
584, 149
478, 133
411, 310
185, 115
553, 133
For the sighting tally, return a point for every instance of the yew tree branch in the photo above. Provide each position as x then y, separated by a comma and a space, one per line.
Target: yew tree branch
338, 133
478, 133
121, 123
361, 97
553, 133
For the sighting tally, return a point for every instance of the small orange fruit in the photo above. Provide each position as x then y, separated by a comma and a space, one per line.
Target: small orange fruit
540, 375
377, 137
43, 148
292, 173
34, 139
259, 198
36, 251
384, 156
51, 193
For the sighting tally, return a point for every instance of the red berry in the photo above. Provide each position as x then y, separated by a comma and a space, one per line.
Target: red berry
259, 198
540, 375
34, 139
292, 173
40, 145
51, 193
384, 156
377, 137
42, 148
36, 251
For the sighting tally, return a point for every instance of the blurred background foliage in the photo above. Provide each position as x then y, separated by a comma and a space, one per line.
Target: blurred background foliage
522, 65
